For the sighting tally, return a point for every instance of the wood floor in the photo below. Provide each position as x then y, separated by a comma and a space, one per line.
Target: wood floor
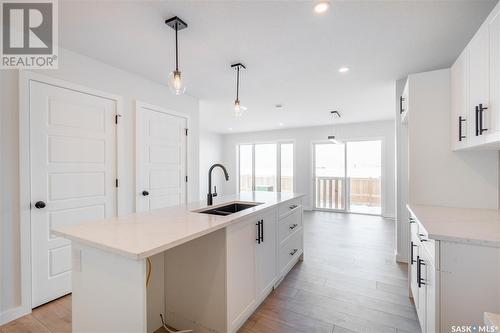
348, 282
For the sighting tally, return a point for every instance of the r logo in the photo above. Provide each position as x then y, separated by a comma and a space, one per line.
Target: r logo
27, 28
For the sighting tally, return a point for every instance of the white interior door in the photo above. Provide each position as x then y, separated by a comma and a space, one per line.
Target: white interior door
161, 158
73, 171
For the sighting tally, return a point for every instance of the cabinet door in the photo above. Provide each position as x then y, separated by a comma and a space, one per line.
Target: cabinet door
265, 258
422, 263
241, 238
478, 82
459, 99
492, 115
414, 252
430, 306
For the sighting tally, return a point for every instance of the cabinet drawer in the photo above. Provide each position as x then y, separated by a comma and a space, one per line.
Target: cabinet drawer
289, 225
290, 250
289, 206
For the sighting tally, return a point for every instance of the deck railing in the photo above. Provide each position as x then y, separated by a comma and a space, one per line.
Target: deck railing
360, 191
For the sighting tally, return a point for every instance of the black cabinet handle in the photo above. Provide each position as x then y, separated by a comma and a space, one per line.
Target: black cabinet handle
477, 120
418, 271
411, 220
460, 121
293, 206
262, 231
401, 99
40, 204
293, 226
293, 252
420, 281
258, 232
481, 111
145, 193
422, 239
411, 253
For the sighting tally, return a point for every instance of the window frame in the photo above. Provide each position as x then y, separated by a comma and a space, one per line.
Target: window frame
278, 144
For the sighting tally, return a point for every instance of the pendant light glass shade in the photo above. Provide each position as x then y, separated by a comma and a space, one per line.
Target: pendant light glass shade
175, 83
238, 109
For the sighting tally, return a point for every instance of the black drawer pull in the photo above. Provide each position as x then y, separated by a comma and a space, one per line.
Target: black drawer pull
481, 111
293, 226
293, 252
293, 206
477, 120
420, 281
460, 121
412, 261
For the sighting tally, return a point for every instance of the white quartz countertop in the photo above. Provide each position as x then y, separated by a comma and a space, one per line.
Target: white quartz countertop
141, 235
463, 225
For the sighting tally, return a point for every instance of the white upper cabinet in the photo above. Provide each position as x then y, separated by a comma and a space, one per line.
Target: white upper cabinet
475, 89
479, 91
492, 115
459, 102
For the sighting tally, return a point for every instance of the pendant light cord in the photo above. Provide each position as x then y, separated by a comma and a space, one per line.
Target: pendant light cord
237, 82
176, 48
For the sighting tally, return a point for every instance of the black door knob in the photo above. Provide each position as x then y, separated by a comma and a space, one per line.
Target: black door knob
145, 193
40, 204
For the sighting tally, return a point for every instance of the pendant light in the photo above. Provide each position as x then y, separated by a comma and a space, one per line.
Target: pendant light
332, 138
238, 108
175, 81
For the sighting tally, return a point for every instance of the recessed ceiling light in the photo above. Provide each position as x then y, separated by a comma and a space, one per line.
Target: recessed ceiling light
321, 7
343, 69
230, 129
281, 124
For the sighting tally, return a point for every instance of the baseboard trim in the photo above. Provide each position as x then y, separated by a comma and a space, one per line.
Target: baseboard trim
13, 314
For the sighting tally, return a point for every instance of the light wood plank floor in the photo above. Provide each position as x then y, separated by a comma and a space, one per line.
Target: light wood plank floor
348, 282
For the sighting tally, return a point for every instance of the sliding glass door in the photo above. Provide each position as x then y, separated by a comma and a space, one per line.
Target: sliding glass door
347, 177
329, 176
364, 171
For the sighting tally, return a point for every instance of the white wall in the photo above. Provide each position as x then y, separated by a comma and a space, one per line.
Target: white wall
87, 72
211, 152
304, 137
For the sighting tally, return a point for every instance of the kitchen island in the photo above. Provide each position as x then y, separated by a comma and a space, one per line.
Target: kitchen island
200, 271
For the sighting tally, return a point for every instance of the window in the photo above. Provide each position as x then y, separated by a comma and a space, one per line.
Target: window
246, 166
266, 167
286, 157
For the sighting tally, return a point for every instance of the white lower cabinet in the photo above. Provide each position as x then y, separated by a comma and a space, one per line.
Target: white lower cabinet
265, 259
241, 279
452, 283
423, 276
260, 252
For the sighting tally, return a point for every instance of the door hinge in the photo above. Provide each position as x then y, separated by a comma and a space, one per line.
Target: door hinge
116, 182
186, 179
186, 131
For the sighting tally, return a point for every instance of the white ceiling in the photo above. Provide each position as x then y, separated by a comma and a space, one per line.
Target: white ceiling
292, 54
